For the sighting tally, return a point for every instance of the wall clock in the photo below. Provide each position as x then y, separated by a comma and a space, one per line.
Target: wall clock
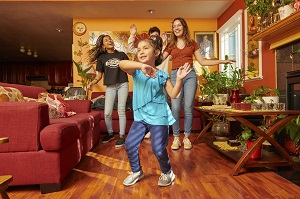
79, 28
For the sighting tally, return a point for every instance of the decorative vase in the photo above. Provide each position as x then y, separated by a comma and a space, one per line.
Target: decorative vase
220, 99
235, 96
220, 131
285, 11
257, 152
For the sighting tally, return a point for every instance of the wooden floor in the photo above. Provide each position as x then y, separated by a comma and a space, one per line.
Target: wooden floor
200, 173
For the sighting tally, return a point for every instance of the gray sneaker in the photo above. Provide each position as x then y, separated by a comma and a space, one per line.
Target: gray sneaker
166, 179
133, 177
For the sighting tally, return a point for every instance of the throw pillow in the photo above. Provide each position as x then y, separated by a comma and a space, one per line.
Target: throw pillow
58, 107
9, 94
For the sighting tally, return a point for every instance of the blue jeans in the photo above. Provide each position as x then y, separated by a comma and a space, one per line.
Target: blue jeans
189, 87
159, 142
111, 91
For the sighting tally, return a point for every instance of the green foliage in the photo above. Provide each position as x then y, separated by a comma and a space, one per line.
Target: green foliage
219, 83
258, 7
86, 78
247, 134
216, 83
260, 92
291, 129
236, 76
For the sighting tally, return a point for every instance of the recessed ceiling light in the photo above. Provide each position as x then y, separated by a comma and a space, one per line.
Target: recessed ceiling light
151, 11
58, 30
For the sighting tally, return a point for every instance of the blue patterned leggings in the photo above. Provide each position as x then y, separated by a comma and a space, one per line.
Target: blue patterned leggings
159, 141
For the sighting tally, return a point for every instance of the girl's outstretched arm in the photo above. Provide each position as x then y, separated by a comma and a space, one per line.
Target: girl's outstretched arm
130, 66
174, 91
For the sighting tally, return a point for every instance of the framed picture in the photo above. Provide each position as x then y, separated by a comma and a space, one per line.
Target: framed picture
168, 36
207, 42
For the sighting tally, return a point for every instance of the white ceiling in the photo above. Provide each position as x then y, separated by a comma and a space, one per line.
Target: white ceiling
32, 24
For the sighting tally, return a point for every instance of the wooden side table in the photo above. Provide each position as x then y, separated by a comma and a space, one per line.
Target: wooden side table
282, 158
4, 180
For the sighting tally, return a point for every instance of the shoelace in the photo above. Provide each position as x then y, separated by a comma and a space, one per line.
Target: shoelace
130, 173
163, 176
187, 141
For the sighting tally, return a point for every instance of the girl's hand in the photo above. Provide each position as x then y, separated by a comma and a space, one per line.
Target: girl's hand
132, 29
164, 37
148, 71
183, 71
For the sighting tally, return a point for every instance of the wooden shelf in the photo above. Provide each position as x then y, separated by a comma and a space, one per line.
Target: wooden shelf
269, 158
282, 32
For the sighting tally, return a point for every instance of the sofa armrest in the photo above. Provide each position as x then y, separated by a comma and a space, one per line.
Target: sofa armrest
80, 106
55, 137
22, 122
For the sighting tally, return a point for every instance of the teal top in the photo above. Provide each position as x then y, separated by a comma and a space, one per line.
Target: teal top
149, 101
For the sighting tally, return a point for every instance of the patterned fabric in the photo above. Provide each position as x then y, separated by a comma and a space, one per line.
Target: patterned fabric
9, 94
58, 107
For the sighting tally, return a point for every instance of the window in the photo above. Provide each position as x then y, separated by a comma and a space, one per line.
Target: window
230, 40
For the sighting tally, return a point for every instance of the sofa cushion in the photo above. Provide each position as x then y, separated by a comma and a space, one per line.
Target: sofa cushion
27, 91
58, 136
9, 94
81, 120
58, 107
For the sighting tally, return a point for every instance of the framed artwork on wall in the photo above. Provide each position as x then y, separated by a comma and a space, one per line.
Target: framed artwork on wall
168, 36
207, 42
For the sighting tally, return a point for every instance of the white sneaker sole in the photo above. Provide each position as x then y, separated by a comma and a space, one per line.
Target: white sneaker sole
174, 148
188, 147
133, 182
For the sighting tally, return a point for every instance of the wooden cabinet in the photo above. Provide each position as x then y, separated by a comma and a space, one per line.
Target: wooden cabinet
58, 73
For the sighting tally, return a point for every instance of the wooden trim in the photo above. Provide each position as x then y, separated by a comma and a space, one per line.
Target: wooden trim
282, 32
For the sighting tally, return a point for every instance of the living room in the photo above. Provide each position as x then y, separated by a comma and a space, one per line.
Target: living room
202, 172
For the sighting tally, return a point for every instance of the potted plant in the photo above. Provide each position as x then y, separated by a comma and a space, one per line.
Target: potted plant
291, 135
258, 7
83, 68
247, 138
215, 85
235, 81
263, 94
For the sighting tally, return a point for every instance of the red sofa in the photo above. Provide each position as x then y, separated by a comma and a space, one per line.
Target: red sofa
129, 117
42, 150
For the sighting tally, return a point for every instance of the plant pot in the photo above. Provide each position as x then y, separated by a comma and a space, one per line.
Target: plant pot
257, 153
220, 131
235, 96
271, 99
238, 106
246, 106
220, 99
285, 11
291, 147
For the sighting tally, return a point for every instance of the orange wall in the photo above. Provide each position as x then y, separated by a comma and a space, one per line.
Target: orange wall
268, 56
142, 25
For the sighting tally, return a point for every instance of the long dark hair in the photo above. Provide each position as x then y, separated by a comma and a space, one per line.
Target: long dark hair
97, 49
186, 34
156, 42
